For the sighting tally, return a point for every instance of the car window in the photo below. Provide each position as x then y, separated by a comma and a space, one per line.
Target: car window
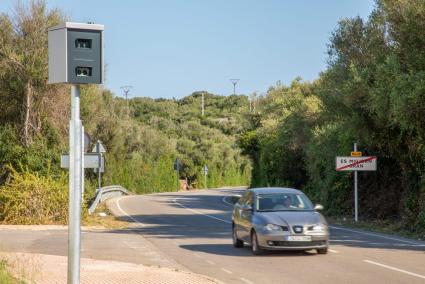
283, 202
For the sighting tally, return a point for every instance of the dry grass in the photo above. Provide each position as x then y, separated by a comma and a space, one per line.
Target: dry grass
19, 268
109, 221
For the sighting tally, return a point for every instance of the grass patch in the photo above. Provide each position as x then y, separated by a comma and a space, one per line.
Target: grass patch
109, 221
378, 226
5, 276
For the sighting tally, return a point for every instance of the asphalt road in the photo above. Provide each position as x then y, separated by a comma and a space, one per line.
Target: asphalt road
194, 230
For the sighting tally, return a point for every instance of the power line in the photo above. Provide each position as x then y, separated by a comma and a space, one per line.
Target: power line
234, 82
126, 90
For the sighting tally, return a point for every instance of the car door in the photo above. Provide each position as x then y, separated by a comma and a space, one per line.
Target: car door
246, 217
237, 214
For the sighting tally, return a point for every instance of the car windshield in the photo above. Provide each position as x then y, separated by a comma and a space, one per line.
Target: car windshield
283, 202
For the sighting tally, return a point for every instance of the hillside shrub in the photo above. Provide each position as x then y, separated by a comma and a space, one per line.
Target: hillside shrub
29, 198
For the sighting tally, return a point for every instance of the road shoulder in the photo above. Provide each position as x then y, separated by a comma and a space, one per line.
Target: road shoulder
40, 268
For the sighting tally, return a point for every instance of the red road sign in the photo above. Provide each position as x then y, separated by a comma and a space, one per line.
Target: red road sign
356, 163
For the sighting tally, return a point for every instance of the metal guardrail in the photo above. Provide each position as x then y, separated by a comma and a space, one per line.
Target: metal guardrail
105, 193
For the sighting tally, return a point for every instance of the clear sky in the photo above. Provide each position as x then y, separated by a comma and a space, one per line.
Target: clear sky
171, 48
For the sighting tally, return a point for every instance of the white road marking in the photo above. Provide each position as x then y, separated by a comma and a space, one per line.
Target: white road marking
246, 280
408, 245
376, 243
224, 201
351, 241
375, 235
199, 212
227, 271
394, 268
210, 262
125, 213
334, 251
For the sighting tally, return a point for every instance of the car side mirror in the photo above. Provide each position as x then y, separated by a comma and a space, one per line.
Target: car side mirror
246, 208
318, 207
234, 198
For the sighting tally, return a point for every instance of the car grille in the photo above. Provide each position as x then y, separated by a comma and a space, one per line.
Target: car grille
296, 244
298, 229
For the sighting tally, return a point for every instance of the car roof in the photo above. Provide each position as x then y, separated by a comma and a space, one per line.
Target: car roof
271, 190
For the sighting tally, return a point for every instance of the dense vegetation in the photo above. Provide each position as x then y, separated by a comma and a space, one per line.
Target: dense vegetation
143, 136
372, 93
144, 139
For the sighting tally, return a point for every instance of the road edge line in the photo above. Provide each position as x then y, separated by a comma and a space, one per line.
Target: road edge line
375, 235
394, 268
117, 202
224, 200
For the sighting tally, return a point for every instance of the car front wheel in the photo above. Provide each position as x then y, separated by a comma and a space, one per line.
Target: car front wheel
322, 251
256, 249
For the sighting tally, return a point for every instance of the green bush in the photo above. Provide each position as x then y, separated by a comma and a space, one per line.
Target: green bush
5, 277
28, 198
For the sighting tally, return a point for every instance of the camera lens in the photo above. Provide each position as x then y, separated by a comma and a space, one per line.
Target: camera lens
83, 71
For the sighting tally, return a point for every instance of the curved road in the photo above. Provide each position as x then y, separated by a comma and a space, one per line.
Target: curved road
193, 229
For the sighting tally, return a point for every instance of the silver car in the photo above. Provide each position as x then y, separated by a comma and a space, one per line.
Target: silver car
278, 219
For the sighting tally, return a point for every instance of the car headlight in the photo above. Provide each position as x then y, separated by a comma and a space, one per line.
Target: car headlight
319, 228
272, 227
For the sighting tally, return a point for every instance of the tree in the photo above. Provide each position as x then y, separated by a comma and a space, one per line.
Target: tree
23, 65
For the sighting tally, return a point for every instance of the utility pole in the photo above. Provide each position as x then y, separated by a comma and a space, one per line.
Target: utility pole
251, 99
126, 90
234, 82
203, 104
250, 103
205, 176
76, 180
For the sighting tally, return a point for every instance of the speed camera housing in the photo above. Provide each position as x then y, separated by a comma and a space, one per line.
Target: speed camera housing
76, 53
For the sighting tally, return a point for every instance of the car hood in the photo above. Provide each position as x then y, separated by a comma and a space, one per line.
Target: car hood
292, 218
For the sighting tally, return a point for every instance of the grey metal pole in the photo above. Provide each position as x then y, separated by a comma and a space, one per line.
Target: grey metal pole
99, 177
75, 187
177, 173
206, 187
82, 162
356, 209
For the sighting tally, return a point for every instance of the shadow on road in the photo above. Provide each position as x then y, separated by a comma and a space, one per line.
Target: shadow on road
173, 226
229, 250
197, 202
